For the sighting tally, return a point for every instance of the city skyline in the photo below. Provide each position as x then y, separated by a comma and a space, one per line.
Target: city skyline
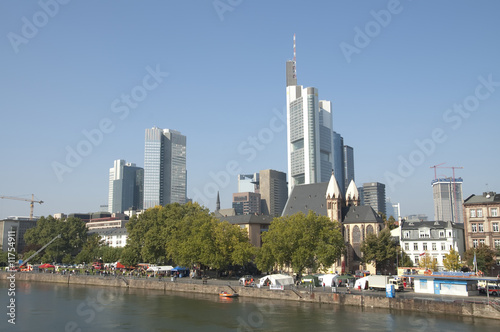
418, 89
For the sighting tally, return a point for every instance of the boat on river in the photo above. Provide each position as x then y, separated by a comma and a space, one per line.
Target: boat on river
227, 295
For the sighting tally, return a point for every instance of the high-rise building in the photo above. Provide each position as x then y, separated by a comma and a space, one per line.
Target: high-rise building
273, 192
246, 203
309, 133
374, 196
448, 199
126, 182
348, 165
165, 175
338, 160
248, 182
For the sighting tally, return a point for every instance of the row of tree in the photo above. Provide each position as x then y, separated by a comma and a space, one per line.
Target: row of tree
190, 235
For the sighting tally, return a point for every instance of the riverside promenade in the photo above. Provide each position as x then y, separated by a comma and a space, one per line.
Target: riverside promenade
405, 301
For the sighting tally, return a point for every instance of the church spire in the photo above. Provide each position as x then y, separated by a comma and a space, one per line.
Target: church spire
352, 195
333, 189
217, 205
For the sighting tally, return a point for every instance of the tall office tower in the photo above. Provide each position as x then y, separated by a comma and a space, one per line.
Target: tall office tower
126, 182
273, 192
349, 165
374, 196
448, 199
248, 183
165, 175
308, 143
338, 160
246, 203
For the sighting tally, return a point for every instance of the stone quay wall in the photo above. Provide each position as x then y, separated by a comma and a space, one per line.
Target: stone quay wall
467, 309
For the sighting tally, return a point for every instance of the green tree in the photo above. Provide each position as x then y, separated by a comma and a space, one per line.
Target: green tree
451, 261
91, 250
485, 258
404, 260
110, 254
428, 262
129, 256
73, 236
301, 242
381, 250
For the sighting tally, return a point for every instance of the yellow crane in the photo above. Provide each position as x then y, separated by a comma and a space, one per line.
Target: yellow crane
32, 201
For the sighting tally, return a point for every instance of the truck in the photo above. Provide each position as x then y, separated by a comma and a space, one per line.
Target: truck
380, 282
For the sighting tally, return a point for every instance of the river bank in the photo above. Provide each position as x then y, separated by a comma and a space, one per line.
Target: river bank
458, 308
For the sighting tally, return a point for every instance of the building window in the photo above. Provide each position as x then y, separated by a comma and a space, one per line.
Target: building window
407, 246
480, 228
474, 228
434, 248
479, 213
415, 258
497, 244
481, 242
441, 233
494, 212
425, 246
443, 247
473, 213
406, 234
424, 234
494, 227
415, 246
474, 243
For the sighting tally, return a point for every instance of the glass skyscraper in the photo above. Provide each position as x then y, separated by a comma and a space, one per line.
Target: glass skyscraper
165, 175
309, 133
126, 183
448, 200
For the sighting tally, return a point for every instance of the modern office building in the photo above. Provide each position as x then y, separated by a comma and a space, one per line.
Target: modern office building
273, 192
309, 132
165, 175
126, 182
338, 160
374, 195
15, 228
248, 183
246, 203
448, 199
348, 165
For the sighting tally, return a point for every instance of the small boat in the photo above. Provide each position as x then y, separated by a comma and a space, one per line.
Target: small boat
226, 294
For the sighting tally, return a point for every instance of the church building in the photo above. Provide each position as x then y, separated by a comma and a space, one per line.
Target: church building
356, 221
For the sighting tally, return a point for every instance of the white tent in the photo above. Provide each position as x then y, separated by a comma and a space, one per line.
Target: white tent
361, 283
158, 269
276, 280
328, 279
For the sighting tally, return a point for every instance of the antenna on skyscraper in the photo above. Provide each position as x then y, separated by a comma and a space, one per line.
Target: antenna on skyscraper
294, 48
294, 59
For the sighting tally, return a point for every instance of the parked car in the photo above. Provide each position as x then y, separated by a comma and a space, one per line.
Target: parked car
493, 290
245, 280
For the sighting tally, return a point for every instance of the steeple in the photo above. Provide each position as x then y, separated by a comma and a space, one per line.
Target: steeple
334, 200
352, 195
217, 204
333, 189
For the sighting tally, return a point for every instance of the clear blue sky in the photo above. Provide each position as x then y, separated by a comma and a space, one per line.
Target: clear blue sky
65, 69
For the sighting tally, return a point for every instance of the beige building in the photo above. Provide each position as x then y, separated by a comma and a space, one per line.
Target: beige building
254, 224
482, 223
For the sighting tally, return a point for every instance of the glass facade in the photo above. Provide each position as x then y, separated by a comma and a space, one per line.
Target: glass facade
164, 167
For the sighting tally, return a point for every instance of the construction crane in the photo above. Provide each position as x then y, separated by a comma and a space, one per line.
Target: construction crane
32, 201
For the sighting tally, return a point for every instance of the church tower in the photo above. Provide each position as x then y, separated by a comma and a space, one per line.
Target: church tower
352, 195
334, 200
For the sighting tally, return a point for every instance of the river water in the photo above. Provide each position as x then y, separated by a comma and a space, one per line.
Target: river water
56, 307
